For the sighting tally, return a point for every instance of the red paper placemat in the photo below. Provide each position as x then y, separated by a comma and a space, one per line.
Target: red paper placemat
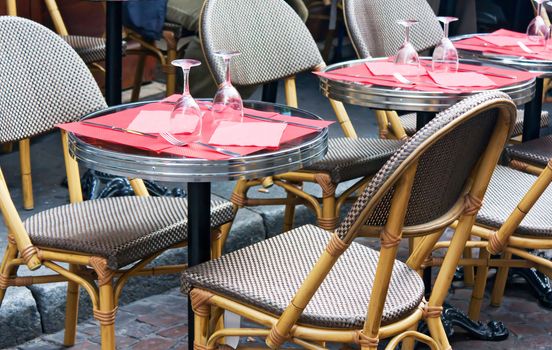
498, 43
360, 73
126, 117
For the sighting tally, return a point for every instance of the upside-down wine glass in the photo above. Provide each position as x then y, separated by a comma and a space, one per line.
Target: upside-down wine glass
445, 56
227, 100
407, 54
538, 30
186, 109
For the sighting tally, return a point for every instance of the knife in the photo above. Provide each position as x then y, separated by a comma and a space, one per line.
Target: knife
283, 121
116, 128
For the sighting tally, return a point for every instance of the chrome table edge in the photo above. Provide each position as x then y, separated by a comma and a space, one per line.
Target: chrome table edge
380, 97
172, 169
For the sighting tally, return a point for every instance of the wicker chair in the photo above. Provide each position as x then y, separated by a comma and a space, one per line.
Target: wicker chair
310, 286
275, 44
90, 49
531, 156
105, 234
374, 32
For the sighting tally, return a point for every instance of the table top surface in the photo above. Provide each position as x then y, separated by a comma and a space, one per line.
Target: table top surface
532, 65
389, 98
135, 163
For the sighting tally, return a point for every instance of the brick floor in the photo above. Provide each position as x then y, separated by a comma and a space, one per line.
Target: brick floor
159, 323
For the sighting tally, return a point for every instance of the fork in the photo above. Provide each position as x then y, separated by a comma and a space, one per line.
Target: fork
170, 138
401, 78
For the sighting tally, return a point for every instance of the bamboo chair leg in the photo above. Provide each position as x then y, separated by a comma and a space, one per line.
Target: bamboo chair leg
138, 77
409, 342
479, 287
107, 306
383, 124
71, 310
500, 282
26, 178
171, 56
329, 218
289, 212
5, 273
469, 274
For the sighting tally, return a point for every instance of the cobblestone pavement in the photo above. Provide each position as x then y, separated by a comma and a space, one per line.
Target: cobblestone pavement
159, 322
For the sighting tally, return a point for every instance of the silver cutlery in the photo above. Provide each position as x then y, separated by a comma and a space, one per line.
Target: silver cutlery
116, 128
170, 138
283, 121
402, 79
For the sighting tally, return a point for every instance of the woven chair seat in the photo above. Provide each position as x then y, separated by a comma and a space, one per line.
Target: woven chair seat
538, 151
267, 274
121, 229
90, 48
352, 158
409, 122
507, 188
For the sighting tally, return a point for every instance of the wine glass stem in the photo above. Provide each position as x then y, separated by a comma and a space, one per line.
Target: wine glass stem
539, 7
446, 29
407, 35
186, 81
227, 69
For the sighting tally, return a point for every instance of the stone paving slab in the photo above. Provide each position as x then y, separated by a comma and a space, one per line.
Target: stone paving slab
160, 322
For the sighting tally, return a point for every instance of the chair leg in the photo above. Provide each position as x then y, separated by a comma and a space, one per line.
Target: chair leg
5, 272
107, 316
6, 147
26, 178
171, 55
71, 310
289, 212
409, 342
479, 287
500, 282
469, 273
138, 76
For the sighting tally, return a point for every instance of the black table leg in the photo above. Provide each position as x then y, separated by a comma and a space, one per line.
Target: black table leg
199, 236
532, 113
270, 92
422, 118
114, 38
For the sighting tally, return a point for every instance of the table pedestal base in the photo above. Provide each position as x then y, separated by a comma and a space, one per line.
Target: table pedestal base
92, 188
491, 331
538, 282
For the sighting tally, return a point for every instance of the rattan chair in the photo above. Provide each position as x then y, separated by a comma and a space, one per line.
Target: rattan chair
309, 286
275, 44
531, 156
90, 49
44, 85
374, 32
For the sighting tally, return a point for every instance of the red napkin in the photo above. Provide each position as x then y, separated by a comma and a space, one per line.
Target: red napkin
389, 68
262, 134
458, 79
160, 121
503, 40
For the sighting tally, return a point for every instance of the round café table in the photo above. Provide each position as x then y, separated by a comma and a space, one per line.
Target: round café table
533, 109
426, 104
199, 173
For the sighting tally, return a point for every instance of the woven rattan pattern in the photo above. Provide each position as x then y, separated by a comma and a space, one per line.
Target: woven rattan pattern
267, 275
351, 158
507, 188
538, 151
374, 31
409, 122
442, 169
121, 229
90, 48
273, 41
42, 84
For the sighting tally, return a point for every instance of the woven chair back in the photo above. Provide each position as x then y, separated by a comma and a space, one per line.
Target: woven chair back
273, 40
374, 30
447, 150
43, 81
